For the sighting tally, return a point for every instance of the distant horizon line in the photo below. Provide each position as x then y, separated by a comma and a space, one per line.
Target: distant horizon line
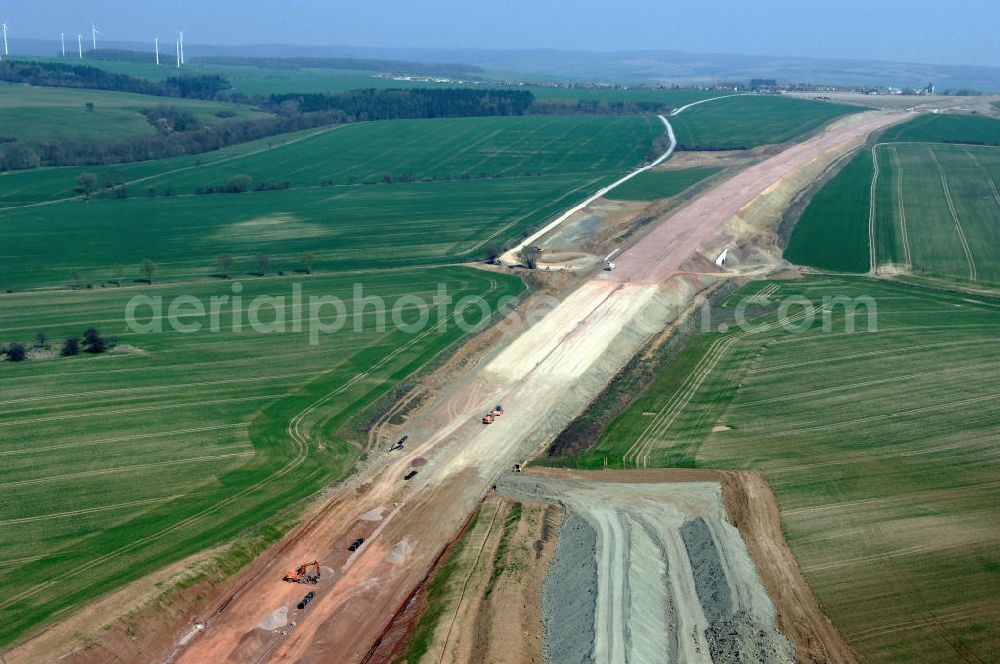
482, 49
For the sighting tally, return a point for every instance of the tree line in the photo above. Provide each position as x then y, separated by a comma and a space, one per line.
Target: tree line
397, 104
92, 342
204, 138
62, 75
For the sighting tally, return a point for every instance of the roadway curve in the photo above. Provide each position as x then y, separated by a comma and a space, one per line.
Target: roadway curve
544, 377
511, 256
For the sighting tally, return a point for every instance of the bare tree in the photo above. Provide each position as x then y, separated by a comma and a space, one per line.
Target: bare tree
119, 272
529, 256
77, 277
262, 261
148, 269
225, 265
308, 258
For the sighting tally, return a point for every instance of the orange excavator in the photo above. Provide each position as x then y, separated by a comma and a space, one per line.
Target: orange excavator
302, 573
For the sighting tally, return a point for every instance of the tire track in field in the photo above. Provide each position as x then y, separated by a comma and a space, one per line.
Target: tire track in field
142, 409
121, 439
872, 258
88, 510
850, 386
973, 277
873, 353
122, 469
904, 235
156, 388
639, 452
986, 173
815, 426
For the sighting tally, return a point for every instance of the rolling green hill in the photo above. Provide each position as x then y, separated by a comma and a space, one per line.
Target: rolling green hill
35, 114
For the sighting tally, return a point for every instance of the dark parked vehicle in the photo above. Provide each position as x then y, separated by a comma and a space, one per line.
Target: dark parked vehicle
410, 475
356, 544
306, 599
399, 444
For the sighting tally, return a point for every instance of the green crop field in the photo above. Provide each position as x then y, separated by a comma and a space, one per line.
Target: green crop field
119, 463
880, 445
942, 128
36, 114
935, 215
544, 164
832, 232
364, 227
651, 185
747, 121
365, 152
938, 211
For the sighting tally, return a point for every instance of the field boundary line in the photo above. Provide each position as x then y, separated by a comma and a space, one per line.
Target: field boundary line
973, 277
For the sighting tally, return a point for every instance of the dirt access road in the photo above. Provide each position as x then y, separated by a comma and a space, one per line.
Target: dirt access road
544, 377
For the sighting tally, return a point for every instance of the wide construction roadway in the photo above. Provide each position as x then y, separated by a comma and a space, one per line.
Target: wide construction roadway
539, 376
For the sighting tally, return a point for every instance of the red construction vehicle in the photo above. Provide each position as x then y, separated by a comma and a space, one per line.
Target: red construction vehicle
302, 573
488, 418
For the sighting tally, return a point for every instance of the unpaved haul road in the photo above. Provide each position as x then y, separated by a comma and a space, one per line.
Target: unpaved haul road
543, 378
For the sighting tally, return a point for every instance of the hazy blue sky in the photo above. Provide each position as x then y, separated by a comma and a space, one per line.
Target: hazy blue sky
940, 32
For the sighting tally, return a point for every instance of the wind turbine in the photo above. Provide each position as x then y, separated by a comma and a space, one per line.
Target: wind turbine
5, 51
62, 40
93, 34
156, 43
181, 42
79, 45
177, 48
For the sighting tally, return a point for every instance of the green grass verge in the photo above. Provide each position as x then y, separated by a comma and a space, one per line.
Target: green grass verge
651, 185
744, 122
115, 465
878, 445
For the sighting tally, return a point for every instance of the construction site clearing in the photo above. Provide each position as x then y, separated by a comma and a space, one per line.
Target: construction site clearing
625, 566
546, 375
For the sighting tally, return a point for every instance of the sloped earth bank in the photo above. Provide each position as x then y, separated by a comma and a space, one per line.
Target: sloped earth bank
650, 572
486, 605
544, 377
